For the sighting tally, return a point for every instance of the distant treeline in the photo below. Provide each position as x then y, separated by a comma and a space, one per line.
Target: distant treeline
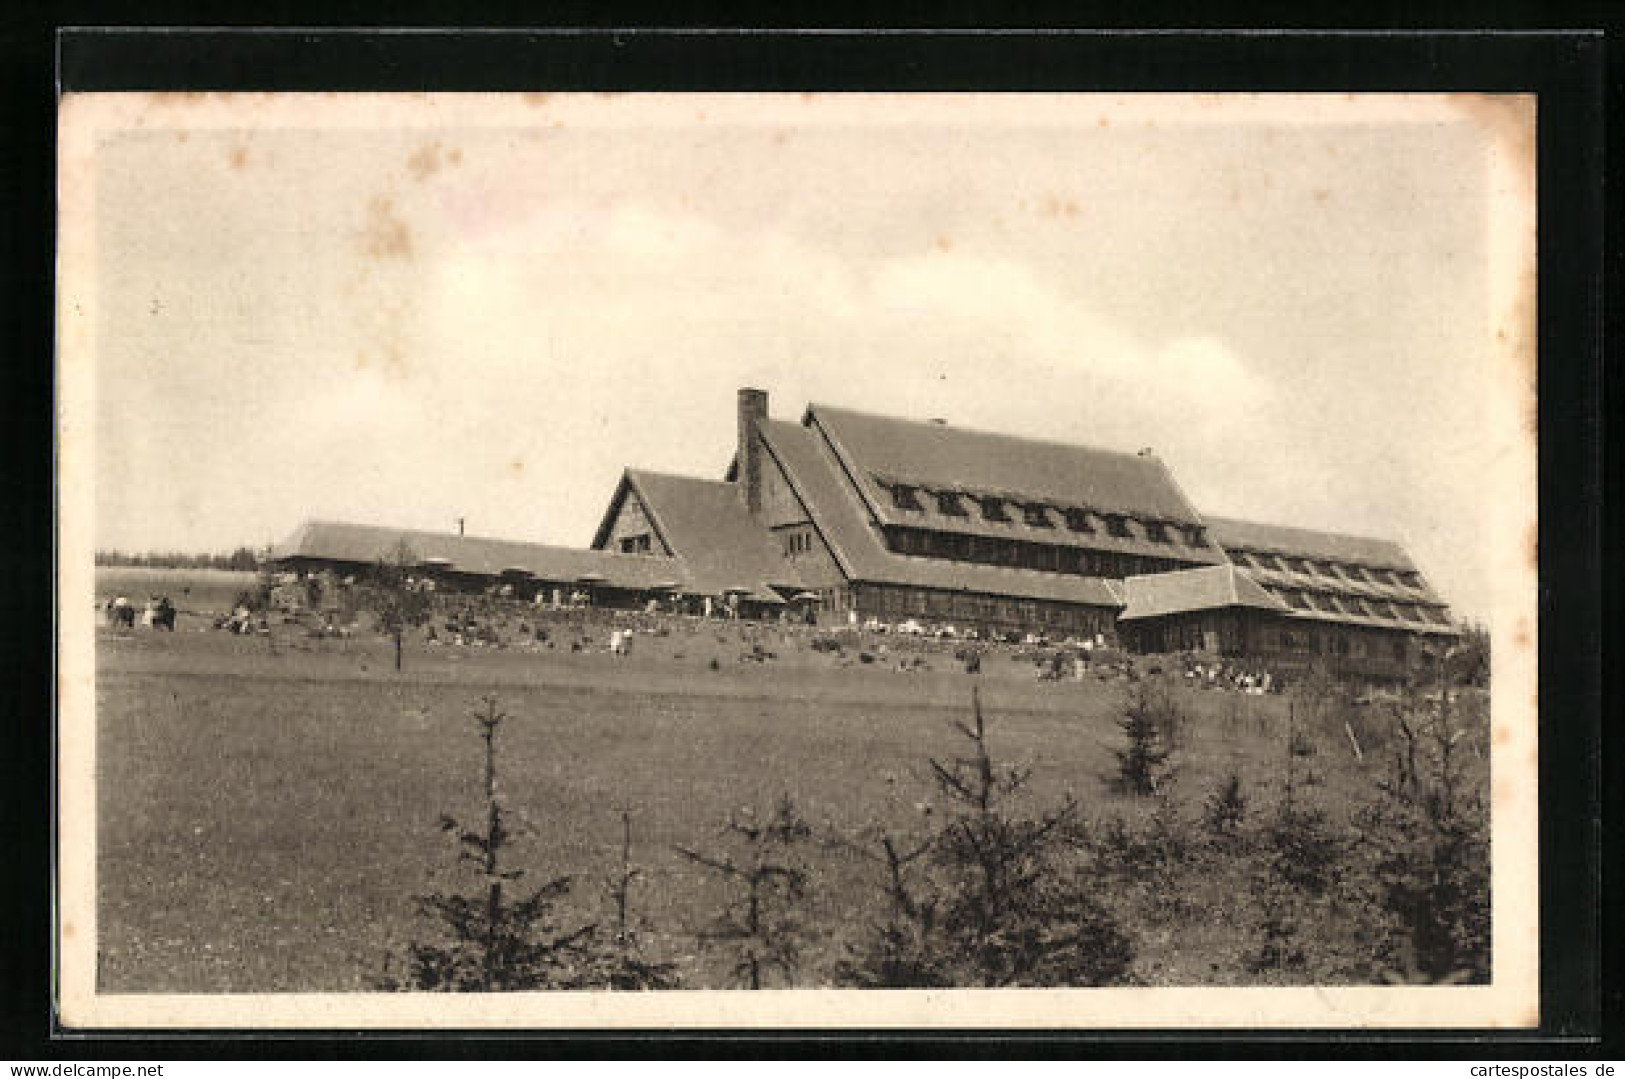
243, 558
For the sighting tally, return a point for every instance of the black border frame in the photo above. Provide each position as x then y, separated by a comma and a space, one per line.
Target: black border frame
1566, 70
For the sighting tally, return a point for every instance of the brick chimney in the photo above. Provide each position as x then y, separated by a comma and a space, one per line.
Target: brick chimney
752, 408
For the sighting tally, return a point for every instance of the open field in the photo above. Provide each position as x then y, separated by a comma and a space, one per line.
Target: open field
268, 808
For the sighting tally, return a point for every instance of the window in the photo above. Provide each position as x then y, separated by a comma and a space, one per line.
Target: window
1322, 568
1266, 561
1035, 515
1242, 559
1297, 565
949, 503
635, 544
1077, 519
992, 508
1382, 577
1355, 573
1117, 525
903, 497
1410, 580
1157, 532
1195, 536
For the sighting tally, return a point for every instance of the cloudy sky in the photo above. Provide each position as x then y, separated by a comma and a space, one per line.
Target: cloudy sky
411, 311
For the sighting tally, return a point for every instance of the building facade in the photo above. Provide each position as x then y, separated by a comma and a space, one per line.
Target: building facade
862, 516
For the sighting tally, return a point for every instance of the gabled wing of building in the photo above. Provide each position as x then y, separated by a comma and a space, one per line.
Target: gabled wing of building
705, 523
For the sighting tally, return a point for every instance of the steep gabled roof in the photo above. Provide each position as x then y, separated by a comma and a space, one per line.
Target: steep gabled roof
846, 527
334, 541
705, 523
1309, 543
1204, 589
938, 455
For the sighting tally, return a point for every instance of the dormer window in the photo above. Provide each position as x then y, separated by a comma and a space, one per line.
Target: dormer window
1195, 536
1266, 561
905, 497
1382, 577
1077, 519
1117, 525
992, 508
1157, 532
1297, 565
1036, 515
949, 503
1410, 580
1355, 573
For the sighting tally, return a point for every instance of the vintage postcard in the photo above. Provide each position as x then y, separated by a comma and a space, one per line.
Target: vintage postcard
751, 560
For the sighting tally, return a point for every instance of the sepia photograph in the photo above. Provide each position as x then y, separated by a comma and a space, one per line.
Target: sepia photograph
1052, 560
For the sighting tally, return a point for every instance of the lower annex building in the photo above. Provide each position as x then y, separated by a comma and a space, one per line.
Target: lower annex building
863, 516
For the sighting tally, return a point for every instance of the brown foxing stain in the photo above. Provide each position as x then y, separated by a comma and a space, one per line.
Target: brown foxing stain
385, 234
454, 156
944, 243
181, 136
1321, 194
1103, 122
1520, 634
536, 98
517, 467
237, 157
424, 162
1056, 206
68, 929
1503, 735
1531, 545
700, 115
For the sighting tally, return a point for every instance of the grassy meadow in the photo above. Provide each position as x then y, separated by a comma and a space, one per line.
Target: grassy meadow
269, 808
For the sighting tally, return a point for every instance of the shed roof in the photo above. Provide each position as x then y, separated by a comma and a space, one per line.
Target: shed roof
943, 456
1206, 588
335, 541
847, 527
